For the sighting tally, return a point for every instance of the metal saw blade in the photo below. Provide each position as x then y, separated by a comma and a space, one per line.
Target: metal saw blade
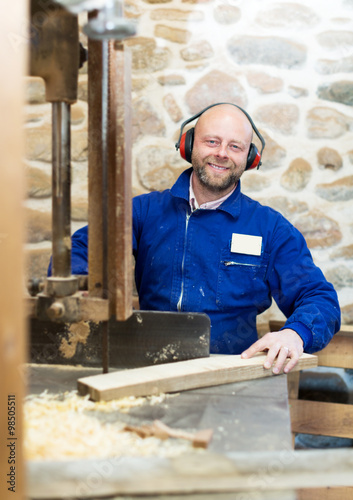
146, 338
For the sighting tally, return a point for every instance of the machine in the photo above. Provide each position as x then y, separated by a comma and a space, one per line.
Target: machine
103, 299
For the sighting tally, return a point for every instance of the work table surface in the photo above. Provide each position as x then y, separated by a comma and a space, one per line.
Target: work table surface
245, 416
251, 416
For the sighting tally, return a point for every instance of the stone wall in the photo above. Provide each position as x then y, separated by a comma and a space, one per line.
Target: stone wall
290, 64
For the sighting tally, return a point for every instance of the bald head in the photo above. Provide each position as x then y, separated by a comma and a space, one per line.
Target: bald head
226, 115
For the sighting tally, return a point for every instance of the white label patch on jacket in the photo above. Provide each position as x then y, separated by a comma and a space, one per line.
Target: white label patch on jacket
246, 243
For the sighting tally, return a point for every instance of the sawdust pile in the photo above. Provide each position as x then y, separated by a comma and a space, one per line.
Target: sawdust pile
64, 427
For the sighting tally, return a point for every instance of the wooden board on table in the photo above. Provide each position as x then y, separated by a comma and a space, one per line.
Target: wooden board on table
180, 376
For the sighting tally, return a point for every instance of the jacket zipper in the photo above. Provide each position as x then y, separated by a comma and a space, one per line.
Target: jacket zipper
234, 263
182, 264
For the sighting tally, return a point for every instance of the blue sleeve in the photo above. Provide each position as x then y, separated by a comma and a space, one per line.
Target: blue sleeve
79, 252
301, 291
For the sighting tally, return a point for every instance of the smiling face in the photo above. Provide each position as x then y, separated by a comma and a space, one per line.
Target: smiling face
221, 144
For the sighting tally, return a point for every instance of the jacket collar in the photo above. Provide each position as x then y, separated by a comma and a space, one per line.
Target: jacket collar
181, 190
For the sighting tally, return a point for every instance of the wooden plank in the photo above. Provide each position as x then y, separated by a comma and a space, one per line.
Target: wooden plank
13, 60
347, 329
325, 494
325, 419
339, 352
192, 473
180, 376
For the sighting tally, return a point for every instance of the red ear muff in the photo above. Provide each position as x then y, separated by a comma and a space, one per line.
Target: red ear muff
186, 144
254, 158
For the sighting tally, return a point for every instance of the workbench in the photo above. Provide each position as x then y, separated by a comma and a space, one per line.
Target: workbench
247, 417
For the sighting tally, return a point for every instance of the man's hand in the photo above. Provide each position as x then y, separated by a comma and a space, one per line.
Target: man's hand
280, 346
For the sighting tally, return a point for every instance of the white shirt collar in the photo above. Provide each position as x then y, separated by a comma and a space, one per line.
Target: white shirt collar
210, 205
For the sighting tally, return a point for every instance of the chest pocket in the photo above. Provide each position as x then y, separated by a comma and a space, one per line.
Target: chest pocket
241, 280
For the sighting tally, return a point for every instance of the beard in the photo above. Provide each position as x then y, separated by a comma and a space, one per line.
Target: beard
214, 183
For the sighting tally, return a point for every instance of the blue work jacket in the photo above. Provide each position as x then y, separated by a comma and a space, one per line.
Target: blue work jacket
186, 261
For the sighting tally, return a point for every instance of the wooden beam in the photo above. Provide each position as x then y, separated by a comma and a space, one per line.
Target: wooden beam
325, 494
249, 473
13, 61
180, 376
339, 352
325, 419
120, 194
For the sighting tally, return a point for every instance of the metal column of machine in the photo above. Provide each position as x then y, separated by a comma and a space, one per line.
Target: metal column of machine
55, 56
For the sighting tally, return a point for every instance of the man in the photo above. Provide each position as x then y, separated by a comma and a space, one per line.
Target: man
203, 246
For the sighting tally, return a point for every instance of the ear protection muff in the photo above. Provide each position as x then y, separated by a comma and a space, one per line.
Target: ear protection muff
186, 140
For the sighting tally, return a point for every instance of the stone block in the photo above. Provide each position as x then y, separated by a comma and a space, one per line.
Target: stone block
280, 117
327, 123
214, 87
38, 182
38, 226
145, 120
254, 182
79, 209
329, 158
332, 66
264, 83
172, 108
226, 14
340, 190
198, 50
273, 154
345, 252
288, 207
272, 51
173, 79
37, 261
289, 15
341, 92
159, 167
319, 230
146, 56
297, 175
340, 276
177, 15
347, 314
335, 39
176, 35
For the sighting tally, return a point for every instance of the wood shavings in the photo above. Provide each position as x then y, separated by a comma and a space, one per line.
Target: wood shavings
62, 427
78, 333
169, 352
